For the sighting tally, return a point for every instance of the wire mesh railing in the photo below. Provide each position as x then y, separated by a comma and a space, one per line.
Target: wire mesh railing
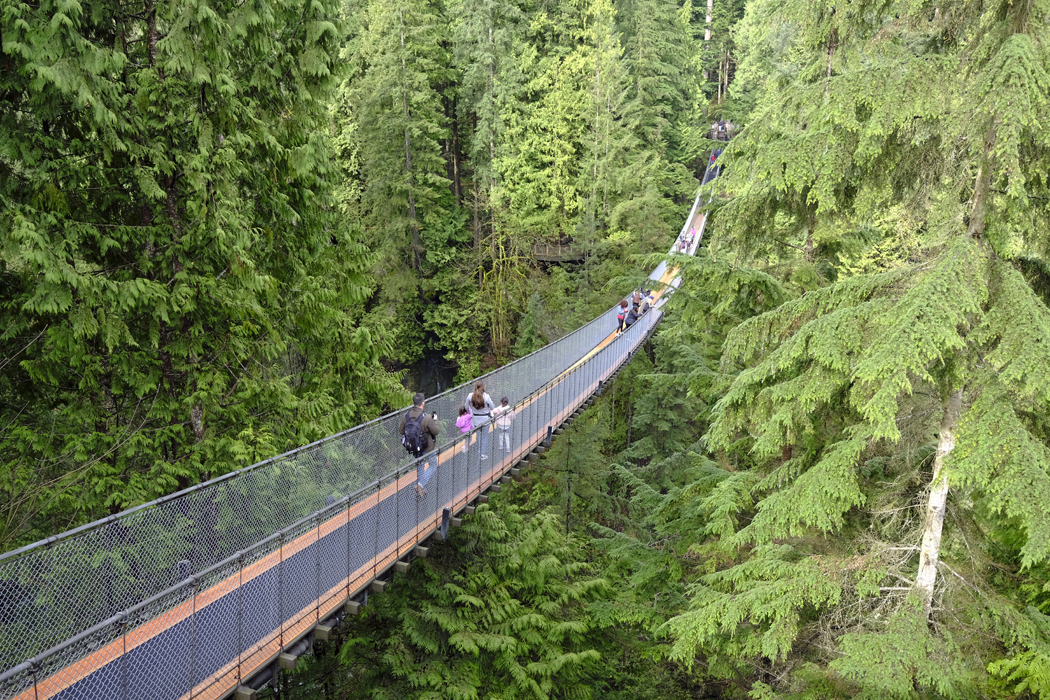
178, 593
186, 596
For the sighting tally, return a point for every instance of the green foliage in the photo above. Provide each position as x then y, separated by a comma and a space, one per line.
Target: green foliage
500, 614
1028, 670
529, 335
753, 609
178, 299
903, 660
861, 115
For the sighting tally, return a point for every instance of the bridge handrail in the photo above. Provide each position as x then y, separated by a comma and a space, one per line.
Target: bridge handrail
114, 571
60, 587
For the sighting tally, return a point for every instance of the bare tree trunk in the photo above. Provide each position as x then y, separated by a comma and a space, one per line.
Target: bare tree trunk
492, 134
707, 31
935, 505
725, 77
477, 231
455, 153
982, 185
597, 114
408, 150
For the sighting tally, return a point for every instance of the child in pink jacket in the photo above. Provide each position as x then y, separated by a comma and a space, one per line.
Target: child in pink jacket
464, 424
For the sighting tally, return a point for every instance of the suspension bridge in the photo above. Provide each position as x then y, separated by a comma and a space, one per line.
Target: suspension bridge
207, 592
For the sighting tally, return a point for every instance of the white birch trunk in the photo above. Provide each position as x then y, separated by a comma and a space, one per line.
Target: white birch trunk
935, 506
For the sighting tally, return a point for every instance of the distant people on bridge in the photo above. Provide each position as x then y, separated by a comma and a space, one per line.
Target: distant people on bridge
480, 406
465, 425
504, 416
621, 314
712, 169
721, 130
685, 240
418, 430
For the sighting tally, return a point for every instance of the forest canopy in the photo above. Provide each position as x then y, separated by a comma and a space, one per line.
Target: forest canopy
230, 229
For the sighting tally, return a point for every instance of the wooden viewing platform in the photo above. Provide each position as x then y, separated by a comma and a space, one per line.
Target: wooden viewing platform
554, 252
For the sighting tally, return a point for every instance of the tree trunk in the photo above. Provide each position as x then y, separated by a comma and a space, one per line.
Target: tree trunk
707, 31
455, 153
809, 237
831, 52
981, 186
935, 505
408, 150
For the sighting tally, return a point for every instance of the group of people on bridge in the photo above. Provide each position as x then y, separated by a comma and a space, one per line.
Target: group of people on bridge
419, 430
685, 240
640, 302
722, 130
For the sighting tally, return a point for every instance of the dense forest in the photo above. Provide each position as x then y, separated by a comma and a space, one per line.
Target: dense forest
230, 229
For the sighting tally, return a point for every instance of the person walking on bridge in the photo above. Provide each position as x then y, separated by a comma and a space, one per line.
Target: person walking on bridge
418, 430
504, 416
480, 406
632, 316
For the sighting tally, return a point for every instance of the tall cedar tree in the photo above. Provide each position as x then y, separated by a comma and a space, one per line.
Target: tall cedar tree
401, 56
656, 40
940, 107
608, 148
167, 256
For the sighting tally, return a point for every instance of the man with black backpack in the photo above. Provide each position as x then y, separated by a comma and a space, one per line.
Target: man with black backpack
418, 430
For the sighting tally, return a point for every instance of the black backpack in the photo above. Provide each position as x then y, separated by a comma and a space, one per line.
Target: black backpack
414, 440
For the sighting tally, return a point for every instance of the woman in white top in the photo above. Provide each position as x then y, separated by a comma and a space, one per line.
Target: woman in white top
480, 406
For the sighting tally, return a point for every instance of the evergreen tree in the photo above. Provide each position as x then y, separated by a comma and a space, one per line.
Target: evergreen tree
501, 613
401, 55
167, 237
530, 336
610, 145
862, 405
545, 130
656, 37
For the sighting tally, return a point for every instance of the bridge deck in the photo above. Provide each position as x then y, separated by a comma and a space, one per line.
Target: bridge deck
203, 641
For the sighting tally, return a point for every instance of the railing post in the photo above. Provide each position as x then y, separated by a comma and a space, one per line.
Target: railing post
551, 388
280, 587
348, 549
530, 428
193, 637
240, 612
35, 665
397, 506
576, 385
375, 530
124, 655
317, 556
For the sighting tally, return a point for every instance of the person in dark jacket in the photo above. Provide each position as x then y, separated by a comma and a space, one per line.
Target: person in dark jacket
632, 316
431, 429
